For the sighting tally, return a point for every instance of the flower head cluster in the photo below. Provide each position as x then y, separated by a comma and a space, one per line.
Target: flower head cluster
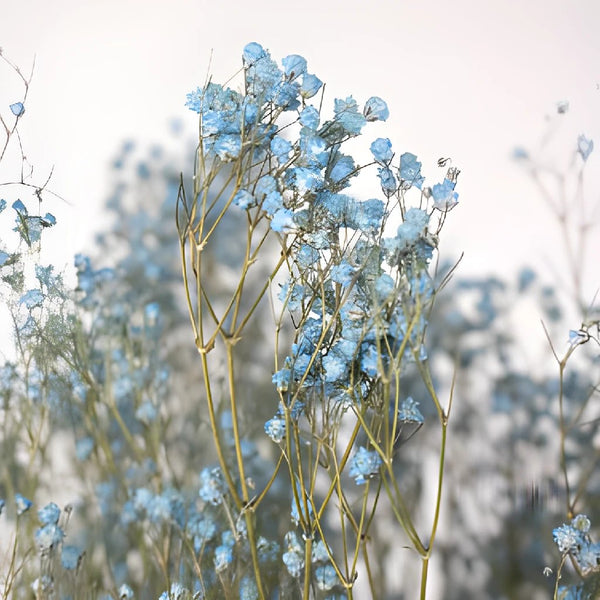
574, 539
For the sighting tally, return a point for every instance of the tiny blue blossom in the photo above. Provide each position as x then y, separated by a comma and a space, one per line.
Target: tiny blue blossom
223, 557
388, 181
326, 577
275, 429
17, 109
253, 52
32, 299
310, 117
49, 536
281, 148
23, 504
410, 170
444, 196
376, 109
69, 557
49, 514
346, 113
311, 84
2, 505
294, 562
212, 485
283, 221
294, 66
409, 411
364, 465
381, 149
244, 199
125, 592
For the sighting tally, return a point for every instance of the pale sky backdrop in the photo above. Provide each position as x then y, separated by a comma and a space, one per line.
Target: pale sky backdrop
469, 79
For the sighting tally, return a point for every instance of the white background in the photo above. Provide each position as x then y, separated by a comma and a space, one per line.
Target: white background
465, 79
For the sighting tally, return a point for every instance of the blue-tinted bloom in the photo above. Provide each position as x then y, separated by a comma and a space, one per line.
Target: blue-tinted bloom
287, 96
376, 109
584, 146
388, 181
444, 196
227, 146
223, 557
176, 592
281, 148
381, 149
326, 577
369, 359
569, 538
346, 113
311, 84
310, 117
17, 109
273, 202
253, 51
283, 221
275, 429
364, 465
319, 552
384, 286
344, 166
305, 179
409, 411
49, 536
32, 298
248, 589
577, 337
146, 412
23, 504
294, 66
212, 485
2, 505
281, 379
410, 170
294, 562
244, 199
70, 556
50, 514
2, 205
20, 208
264, 186
342, 273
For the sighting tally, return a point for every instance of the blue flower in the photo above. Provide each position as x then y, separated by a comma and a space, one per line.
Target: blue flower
584, 146
275, 429
17, 109
310, 117
273, 202
281, 148
343, 167
265, 185
294, 66
227, 146
444, 196
347, 115
49, 536
293, 559
326, 577
50, 514
283, 221
2, 505
388, 181
23, 504
311, 84
381, 149
253, 52
364, 465
176, 592
342, 273
70, 556
376, 109
410, 170
567, 538
244, 199
223, 557
212, 485
409, 411
281, 379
